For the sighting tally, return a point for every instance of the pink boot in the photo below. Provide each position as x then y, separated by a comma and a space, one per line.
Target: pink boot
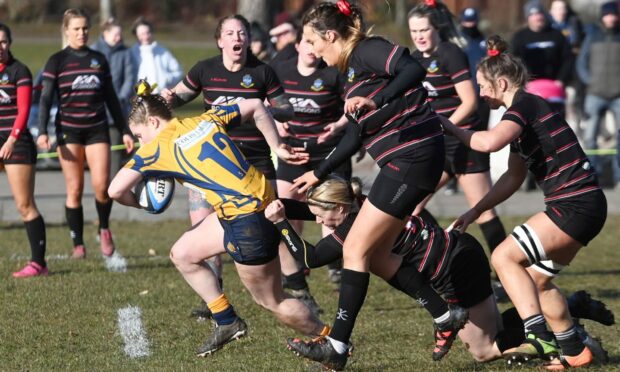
30, 270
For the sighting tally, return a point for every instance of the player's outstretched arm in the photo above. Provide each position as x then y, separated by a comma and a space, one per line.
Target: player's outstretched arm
121, 187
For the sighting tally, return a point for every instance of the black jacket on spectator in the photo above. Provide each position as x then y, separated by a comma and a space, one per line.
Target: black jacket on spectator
544, 53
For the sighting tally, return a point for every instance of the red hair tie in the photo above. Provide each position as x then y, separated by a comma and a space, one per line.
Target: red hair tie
493, 52
344, 7
431, 3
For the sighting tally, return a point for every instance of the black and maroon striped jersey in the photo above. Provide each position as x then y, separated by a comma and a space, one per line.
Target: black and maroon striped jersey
316, 101
401, 124
445, 67
550, 149
220, 86
81, 80
427, 246
15, 74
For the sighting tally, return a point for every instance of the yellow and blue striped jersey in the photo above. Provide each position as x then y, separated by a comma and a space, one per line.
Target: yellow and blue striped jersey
198, 153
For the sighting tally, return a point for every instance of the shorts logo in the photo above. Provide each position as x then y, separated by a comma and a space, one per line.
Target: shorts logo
433, 67
94, 63
4, 97
5, 79
231, 247
247, 81
350, 75
84, 82
317, 85
399, 193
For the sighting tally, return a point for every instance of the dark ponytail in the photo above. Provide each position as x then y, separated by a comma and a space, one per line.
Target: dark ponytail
499, 62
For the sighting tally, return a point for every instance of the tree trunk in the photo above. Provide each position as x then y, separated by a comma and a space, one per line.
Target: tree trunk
105, 10
257, 10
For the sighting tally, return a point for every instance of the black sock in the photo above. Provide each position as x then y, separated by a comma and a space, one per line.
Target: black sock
103, 211
409, 280
335, 265
428, 217
353, 288
509, 338
536, 325
75, 220
36, 236
296, 281
570, 342
494, 232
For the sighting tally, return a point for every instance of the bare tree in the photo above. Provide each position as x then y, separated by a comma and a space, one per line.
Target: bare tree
105, 10
261, 11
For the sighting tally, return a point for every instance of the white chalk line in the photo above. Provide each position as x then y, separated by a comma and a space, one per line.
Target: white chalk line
132, 332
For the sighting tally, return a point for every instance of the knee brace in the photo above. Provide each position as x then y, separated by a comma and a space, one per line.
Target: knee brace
532, 247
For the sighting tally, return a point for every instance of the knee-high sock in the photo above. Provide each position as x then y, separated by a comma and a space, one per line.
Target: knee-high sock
353, 288
36, 236
75, 220
409, 280
103, 211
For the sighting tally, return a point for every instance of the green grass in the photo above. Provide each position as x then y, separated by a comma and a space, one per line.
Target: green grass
67, 321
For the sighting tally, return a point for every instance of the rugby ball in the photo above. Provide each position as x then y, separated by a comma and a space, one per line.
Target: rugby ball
154, 194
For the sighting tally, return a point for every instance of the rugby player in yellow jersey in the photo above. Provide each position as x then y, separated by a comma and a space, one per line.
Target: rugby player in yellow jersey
198, 153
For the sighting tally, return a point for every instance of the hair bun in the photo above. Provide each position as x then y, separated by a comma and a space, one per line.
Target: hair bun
496, 46
143, 88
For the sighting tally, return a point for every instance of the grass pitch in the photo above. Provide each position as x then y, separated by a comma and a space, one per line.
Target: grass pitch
68, 321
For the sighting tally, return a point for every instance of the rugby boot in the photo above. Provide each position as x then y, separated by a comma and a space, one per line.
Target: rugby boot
601, 356
446, 332
202, 312
222, 335
562, 362
304, 296
581, 305
532, 348
106, 242
79, 252
31, 270
319, 350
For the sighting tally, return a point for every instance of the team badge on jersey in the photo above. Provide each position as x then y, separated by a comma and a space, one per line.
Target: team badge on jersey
94, 63
5, 79
247, 81
350, 74
317, 85
433, 67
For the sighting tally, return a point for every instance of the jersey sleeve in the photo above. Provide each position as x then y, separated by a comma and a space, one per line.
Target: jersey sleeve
455, 62
273, 88
146, 160
193, 78
226, 114
517, 113
50, 71
23, 77
380, 56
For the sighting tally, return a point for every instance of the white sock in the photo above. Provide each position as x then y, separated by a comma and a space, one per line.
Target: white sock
339, 346
442, 318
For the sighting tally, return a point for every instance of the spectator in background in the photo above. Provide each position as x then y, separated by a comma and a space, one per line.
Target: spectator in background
476, 42
283, 37
154, 63
543, 49
598, 66
566, 21
260, 44
111, 45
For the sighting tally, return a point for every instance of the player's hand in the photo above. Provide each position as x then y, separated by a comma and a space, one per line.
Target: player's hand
292, 155
462, 223
128, 142
282, 129
329, 131
360, 154
43, 142
168, 95
303, 183
275, 211
354, 104
7, 149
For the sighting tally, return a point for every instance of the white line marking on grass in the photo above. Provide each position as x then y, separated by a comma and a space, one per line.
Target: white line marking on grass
134, 335
50, 257
116, 263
